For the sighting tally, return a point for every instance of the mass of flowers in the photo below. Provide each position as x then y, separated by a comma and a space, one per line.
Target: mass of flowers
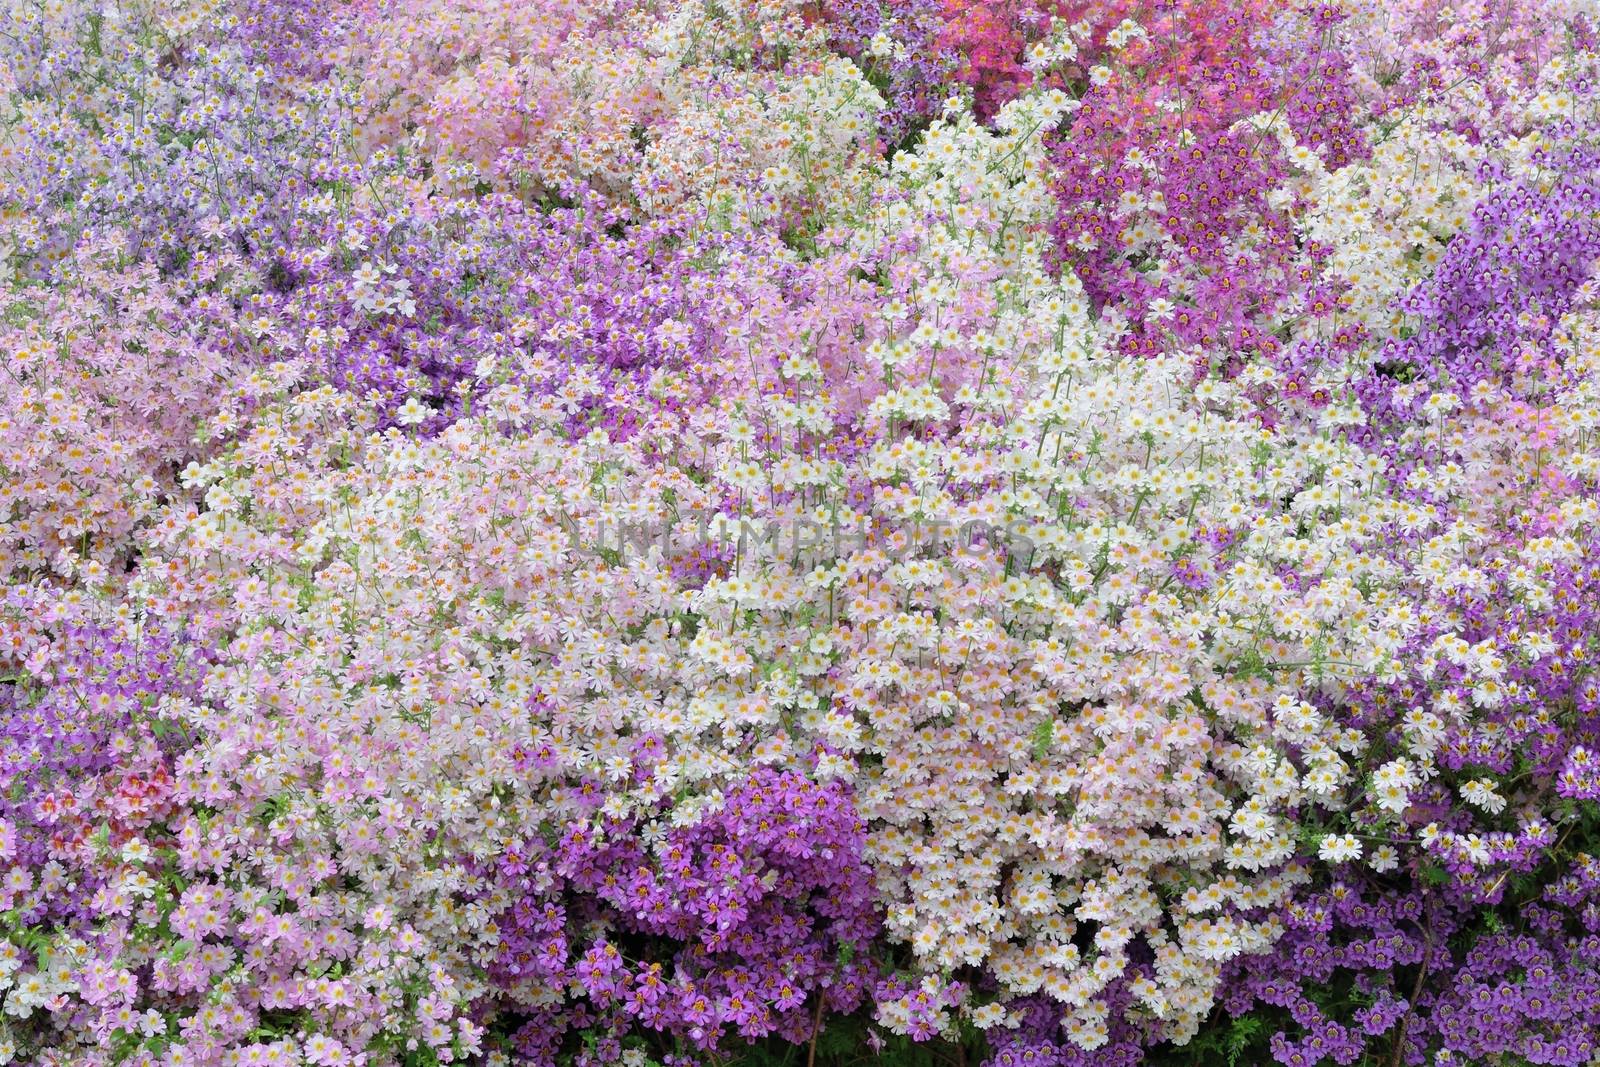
706, 533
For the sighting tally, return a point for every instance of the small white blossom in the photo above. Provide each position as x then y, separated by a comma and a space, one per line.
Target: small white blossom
1337, 848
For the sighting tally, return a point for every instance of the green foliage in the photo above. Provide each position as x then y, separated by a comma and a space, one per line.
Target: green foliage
1231, 1041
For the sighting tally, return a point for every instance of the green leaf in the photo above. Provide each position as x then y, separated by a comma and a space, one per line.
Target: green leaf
1044, 736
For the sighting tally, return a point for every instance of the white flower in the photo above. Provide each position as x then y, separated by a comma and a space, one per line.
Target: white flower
831, 766
412, 412
1488, 693
1337, 848
219, 499
1125, 31
1423, 730
1384, 858
400, 299
1392, 784
989, 1015
1476, 849
196, 475
1480, 793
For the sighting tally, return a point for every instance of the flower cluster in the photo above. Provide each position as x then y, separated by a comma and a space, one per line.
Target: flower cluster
108, 374
764, 900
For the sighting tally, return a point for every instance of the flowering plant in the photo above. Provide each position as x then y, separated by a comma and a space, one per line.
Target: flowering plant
699, 532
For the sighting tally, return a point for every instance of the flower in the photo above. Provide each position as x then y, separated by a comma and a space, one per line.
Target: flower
1339, 848
412, 412
1480, 792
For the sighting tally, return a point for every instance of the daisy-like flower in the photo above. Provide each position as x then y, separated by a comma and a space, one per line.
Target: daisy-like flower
1481, 793
412, 412
1339, 848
